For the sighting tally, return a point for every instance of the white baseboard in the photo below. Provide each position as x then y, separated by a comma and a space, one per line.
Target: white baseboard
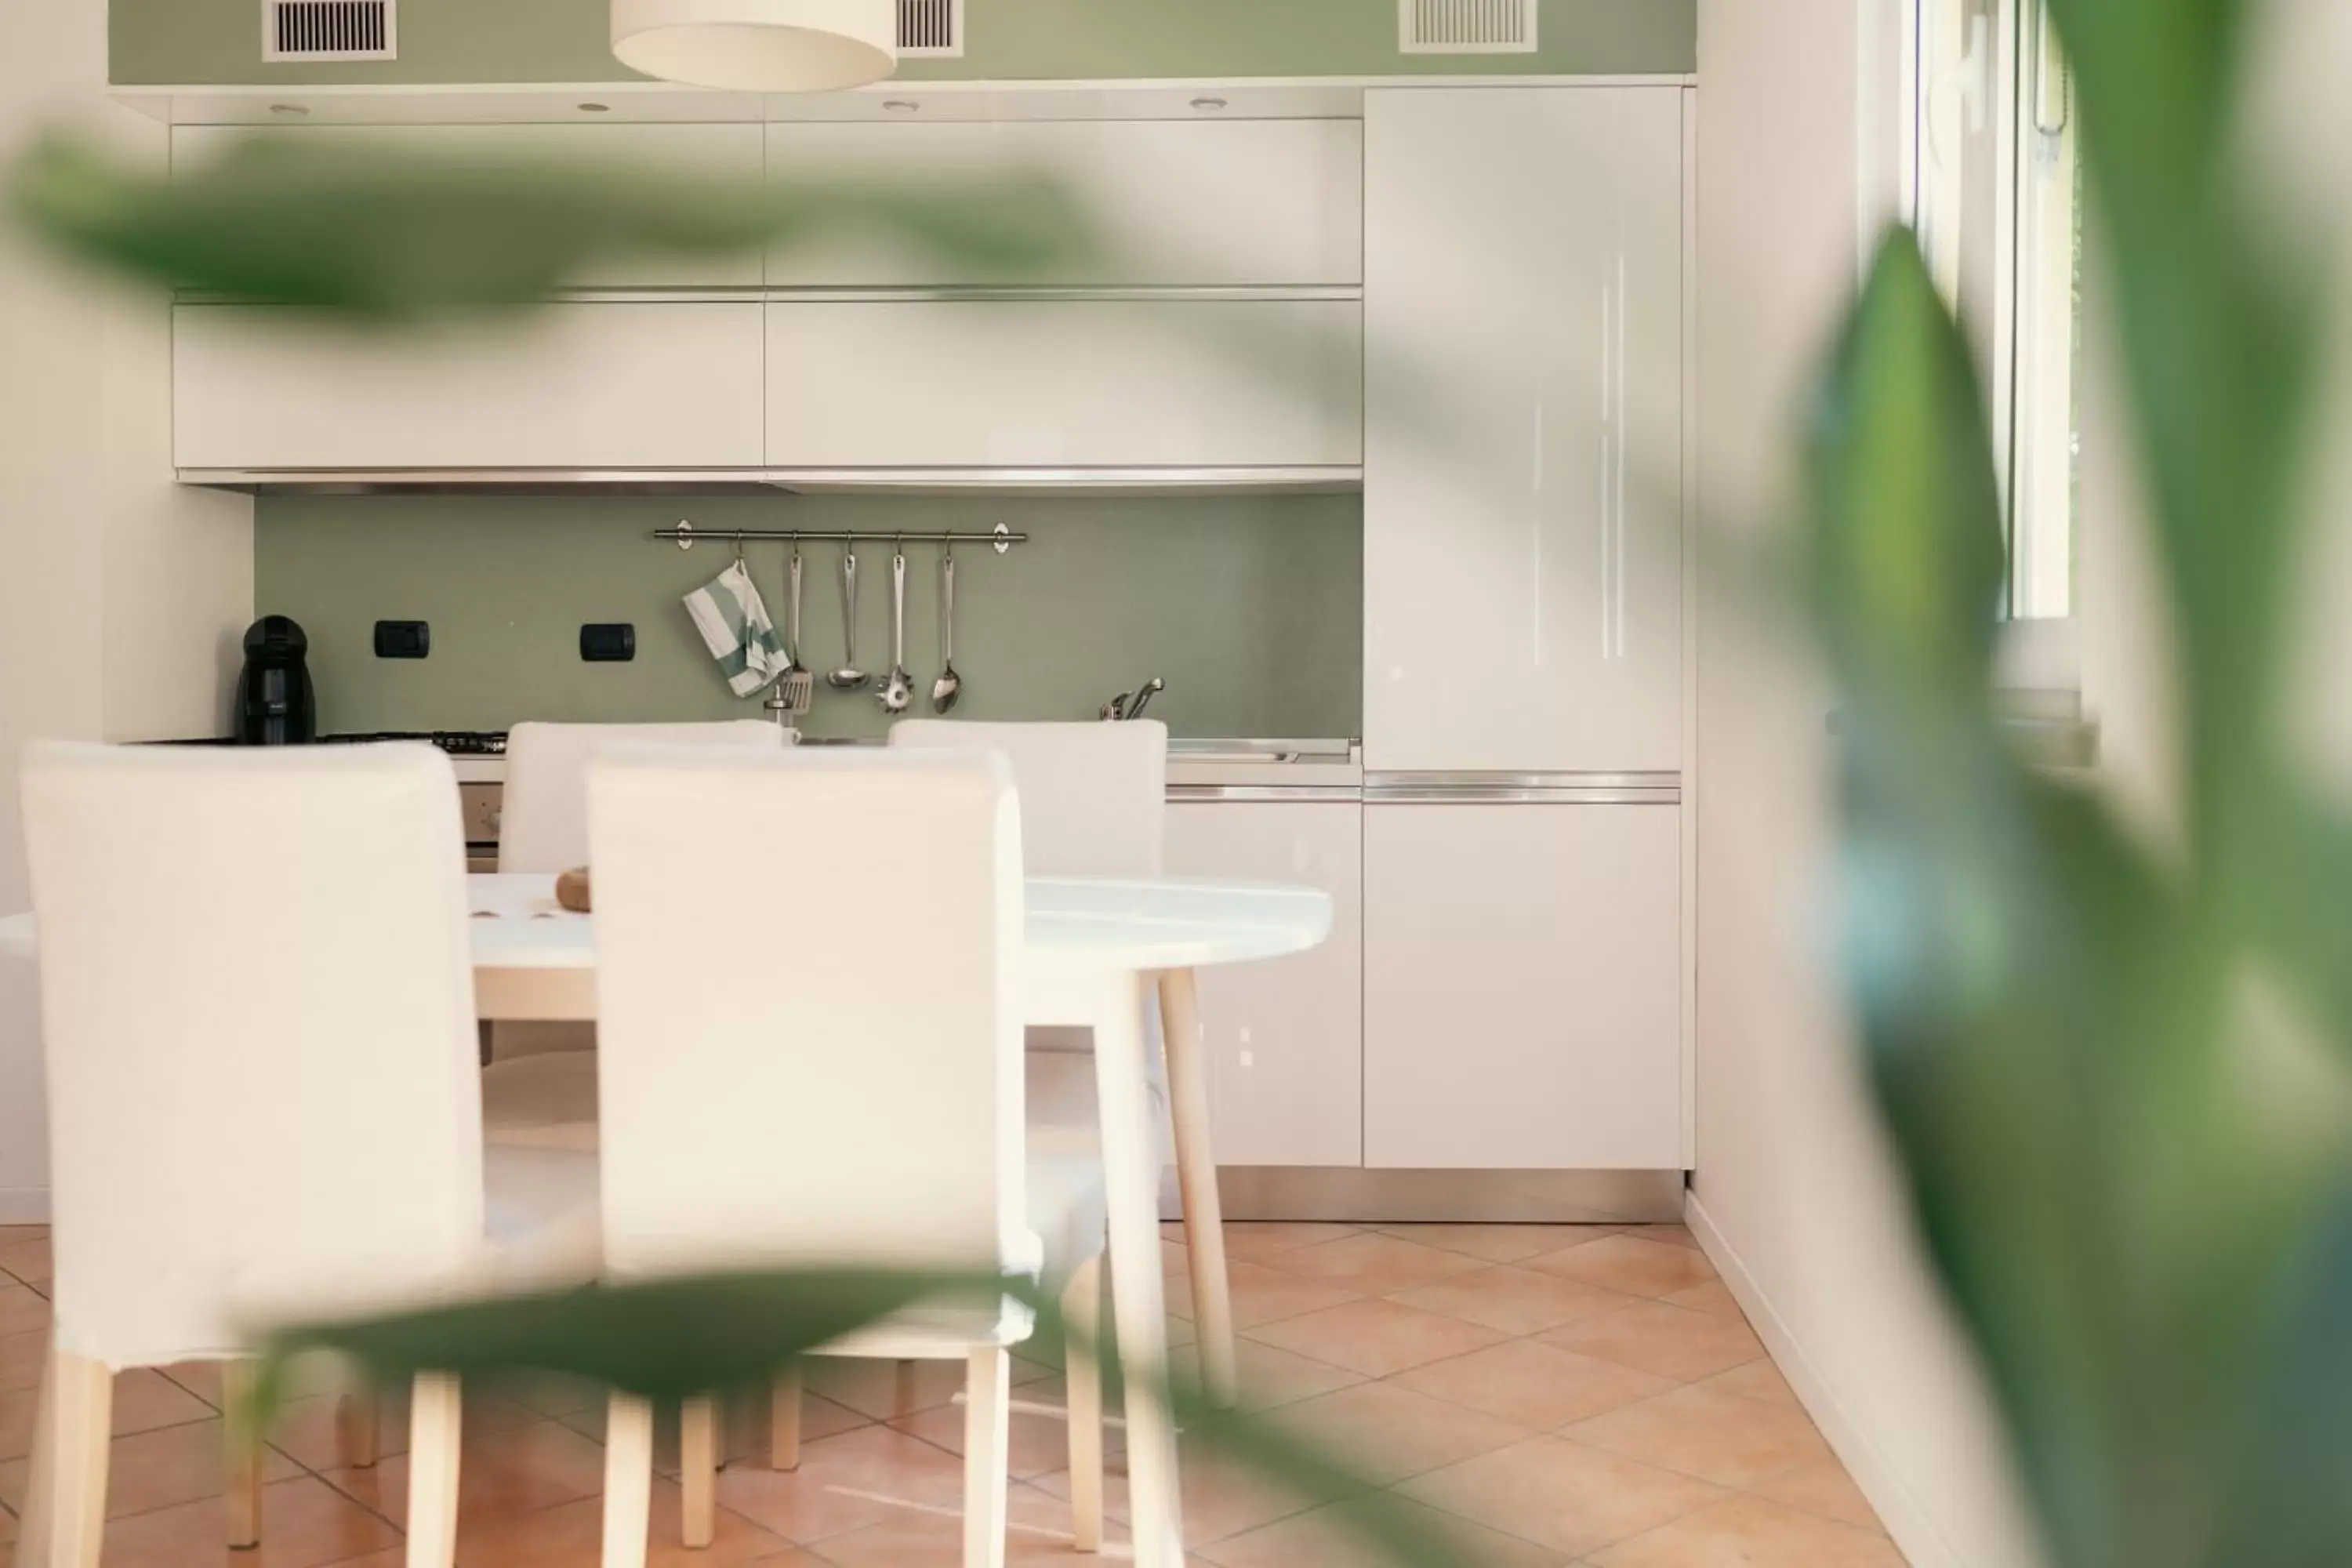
1915, 1532
24, 1206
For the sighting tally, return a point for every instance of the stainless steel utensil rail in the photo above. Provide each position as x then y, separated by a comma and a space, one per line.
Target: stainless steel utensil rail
999, 539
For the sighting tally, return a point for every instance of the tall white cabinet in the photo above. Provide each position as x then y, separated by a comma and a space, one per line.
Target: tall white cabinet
1523, 324
1524, 628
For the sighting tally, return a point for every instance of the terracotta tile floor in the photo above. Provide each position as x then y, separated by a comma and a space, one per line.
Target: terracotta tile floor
1540, 1395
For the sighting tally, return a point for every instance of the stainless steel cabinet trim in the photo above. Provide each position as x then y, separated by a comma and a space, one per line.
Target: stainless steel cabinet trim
850, 294
1054, 293
1522, 789
1264, 795
1317, 480
1319, 749
1496, 796
1474, 778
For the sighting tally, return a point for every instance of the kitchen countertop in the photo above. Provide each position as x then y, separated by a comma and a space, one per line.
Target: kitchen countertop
1283, 763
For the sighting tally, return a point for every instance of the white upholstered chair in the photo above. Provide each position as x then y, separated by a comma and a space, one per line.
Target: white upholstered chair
543, 806
1092, 795
539, 1090
841, 1086
257, 1014
1093, 804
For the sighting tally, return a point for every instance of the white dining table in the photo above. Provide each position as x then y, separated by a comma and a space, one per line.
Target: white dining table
1097, 950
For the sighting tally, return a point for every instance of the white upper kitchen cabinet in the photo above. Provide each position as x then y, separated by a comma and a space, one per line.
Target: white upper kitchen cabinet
1248, 203
1284, 1039
609, 384
727, 155
1523, 514
1063, 383
1523, 987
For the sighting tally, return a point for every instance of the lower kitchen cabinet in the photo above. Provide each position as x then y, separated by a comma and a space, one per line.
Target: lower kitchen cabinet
1522, 993
1285, 1038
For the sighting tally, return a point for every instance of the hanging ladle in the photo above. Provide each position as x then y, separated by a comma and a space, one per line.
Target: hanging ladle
949, 687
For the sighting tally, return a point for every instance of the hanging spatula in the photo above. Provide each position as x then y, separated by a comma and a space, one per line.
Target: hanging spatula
794, 691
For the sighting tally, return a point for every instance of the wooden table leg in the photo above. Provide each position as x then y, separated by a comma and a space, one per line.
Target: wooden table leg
1132, 1189
359, 1423
698, 1471
242, 1436
784, 1418
1196, 1180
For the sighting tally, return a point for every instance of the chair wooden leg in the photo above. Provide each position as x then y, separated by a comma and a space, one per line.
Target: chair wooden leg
784, 1419
987, 1457
1196, 1182
65, 1513
436, 1419
243, 1437
698, 1470
628, 1480
902, 1390
1082, 1312
358, 1418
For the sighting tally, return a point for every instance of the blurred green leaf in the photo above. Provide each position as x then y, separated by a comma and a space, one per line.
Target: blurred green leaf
2303, 917
2102, 1184
2222, 342
2290, 1492
662, 1339
396, 236
670, 1339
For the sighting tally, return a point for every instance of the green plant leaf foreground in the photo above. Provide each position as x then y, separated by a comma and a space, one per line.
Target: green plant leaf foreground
671, 1339
395, 236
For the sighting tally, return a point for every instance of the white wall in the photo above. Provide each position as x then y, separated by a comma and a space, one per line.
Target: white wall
1794, 1192
118, 590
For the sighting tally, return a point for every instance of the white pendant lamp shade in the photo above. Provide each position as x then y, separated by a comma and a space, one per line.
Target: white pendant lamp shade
759, 46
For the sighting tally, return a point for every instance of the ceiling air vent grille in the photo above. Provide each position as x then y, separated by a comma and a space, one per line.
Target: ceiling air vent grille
329, 30
932, 27
1466, 27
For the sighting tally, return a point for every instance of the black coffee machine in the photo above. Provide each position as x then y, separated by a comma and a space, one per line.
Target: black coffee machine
274, 703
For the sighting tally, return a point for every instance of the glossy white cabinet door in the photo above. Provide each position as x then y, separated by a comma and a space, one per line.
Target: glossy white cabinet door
638, 385
1063, 383
1522, 304
722, 153
1522, 988
1242, 203
1284, 1039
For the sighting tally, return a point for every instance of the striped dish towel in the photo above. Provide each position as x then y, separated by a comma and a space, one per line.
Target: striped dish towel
735, 627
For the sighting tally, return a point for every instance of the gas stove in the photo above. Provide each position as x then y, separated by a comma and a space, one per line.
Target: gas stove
457, 742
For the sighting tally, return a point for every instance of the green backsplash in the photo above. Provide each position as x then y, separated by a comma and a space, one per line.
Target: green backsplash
1251, 607
219, 41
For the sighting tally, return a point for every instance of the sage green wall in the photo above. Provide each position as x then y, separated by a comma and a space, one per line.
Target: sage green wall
1251, 607
219, 41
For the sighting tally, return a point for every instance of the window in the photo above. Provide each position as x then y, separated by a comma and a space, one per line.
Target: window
2046, 447
1996, 195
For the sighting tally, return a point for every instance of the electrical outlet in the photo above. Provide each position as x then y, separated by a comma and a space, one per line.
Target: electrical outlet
403, 639
609, 643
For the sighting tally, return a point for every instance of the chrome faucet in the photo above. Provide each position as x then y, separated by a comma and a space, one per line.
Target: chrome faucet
1132, 704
